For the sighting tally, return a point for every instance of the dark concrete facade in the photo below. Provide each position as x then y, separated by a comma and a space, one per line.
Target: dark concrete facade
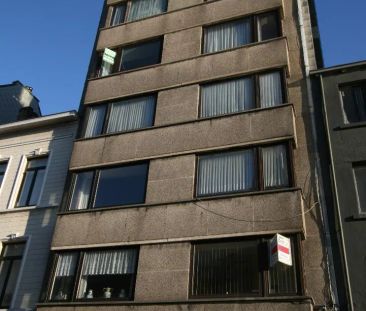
346, 148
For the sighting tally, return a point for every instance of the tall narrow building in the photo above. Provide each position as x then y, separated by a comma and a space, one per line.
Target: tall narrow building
195, 151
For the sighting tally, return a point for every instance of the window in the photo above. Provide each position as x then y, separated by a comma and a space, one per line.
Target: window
241, 94
3, 166
359, 171
136, 9
10, 262
240, 32
122, 116
94, 275
108, 187
240, 268
354, 102
32, 182
129, 57
238, 171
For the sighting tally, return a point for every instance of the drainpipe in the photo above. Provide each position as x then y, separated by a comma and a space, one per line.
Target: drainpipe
318, 177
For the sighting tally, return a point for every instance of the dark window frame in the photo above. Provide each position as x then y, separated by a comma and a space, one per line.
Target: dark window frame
263, 264
94, 186
254, 25
358, 83
33, 179
77, 277
361, 212
258, 162
3, 173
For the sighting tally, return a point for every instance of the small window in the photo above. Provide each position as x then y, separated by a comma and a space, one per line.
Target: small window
268, 26
240, 269
359, 172
354, 102
10, 262
94, 275
270, 88
32, 182
118, 14
108, 187
95, 117
144, 8
3, 166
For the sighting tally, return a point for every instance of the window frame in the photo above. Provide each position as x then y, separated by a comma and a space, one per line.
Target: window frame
94, 187
106, 118
263, 265
253, 23
77, 277
360, 211
258, 162
3, 174
27, 169
352, 84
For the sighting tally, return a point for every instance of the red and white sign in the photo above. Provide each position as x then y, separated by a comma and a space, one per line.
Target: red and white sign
280, 250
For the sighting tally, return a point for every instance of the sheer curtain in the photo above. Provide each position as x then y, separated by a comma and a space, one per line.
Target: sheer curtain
118, 14
81, 192
275, 167
270, 89
131, 114
227, 172
144, 8
227, 97
228, 35
66, 264
105, 263
94, 125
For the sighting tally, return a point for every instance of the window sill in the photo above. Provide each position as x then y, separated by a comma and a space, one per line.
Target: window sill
350, 126
25, 209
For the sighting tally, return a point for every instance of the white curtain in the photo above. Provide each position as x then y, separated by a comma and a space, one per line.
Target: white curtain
144, 8
66, 264
270, 89
106, 69
228, 35
226, 172
94, 125
81, 192
227, 97
131, 114
118, 14
275, 167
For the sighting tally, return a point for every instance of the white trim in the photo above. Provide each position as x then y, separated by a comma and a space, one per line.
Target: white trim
17, 183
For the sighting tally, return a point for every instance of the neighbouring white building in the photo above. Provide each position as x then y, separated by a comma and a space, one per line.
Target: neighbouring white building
34, 159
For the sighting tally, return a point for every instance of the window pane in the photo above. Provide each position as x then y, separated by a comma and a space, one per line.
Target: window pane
4, 270
354, 103
118, 15
227, 97
226, 269
282, 278
141, 55
227, 172
13, 250
121, 186
131, 114
275, 167
11, 283
27, 184
81, 193
144, 8
38, 162
3, 168
95, 122
64, 276
108, 274
37, 187
360, 176
268, 26
226, 36
270, 89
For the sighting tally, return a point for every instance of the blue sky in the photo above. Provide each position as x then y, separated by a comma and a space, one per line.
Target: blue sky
47, 44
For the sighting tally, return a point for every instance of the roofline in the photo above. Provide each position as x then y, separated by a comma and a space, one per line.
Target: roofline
48, 120
339, 68
24, 86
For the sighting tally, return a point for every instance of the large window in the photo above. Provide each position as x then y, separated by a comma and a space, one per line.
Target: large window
354, 102
359, 171
241, 94
129, 57
252, 169
132, 10
3, 166
109, 187
241, 32
122, 116
32, 182
241, 268
10, 262
94, 275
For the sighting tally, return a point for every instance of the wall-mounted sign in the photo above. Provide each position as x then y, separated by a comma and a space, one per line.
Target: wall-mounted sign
280, 250
109, 55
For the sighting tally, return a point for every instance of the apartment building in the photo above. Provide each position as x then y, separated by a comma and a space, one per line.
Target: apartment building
195, 150
341, 99
34, 159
